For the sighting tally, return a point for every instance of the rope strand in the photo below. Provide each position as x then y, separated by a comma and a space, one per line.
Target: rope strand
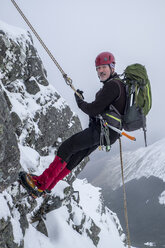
39, 38
66, 78
125, 198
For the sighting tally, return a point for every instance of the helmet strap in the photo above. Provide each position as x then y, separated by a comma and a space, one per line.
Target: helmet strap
112, 69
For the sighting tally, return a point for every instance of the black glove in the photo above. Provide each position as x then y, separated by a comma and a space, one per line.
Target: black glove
81, 93
78, 99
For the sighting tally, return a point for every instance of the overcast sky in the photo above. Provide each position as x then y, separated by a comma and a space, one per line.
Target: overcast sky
76, 31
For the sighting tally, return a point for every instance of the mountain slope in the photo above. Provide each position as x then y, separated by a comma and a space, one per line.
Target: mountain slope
144, 162
144, 172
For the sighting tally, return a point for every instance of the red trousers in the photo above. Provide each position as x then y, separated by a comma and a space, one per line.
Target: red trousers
49, 178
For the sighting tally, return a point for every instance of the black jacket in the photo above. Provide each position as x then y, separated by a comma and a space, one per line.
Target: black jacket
112, 92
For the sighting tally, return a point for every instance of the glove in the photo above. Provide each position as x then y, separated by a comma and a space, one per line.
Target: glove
81, 93
78, 99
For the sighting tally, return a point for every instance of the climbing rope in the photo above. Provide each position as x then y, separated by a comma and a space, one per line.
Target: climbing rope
66, 78
125, 198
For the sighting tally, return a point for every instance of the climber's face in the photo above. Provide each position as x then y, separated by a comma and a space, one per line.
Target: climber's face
103, 72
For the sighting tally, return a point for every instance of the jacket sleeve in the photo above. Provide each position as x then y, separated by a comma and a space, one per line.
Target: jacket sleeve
109, 93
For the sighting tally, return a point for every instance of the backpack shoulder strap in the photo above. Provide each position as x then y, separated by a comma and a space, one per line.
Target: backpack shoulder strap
118, 81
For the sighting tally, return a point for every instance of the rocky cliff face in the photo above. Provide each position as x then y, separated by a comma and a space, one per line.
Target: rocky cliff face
33, 114
34, 120
9, 152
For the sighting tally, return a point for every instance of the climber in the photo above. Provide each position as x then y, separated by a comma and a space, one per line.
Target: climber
74, 149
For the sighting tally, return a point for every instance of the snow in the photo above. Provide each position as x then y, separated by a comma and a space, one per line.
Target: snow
60, 232
149, 244
36, 239
17, 232
60, 228
5, 212
13, 32
162, 198
26, 106
91, 204
91, 194
29, 158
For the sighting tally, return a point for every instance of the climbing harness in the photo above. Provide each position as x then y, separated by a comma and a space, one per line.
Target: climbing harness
125, 197
66, 78
105, 133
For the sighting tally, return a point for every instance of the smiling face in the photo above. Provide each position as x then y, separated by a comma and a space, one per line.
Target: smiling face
103, 72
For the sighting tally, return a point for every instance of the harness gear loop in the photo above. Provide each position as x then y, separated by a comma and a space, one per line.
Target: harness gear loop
101, 136
104, 134
125, 198
67, 80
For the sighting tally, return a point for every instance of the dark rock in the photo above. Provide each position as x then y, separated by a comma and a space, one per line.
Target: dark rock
3, 50
3, 224
53, 125
17, 123
32, 87
93, 233
42, 228
9, 152
35, 66
6, 235
7, 101
25, 58
2, 32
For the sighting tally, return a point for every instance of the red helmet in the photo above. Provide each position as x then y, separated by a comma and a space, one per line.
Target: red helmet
105, 58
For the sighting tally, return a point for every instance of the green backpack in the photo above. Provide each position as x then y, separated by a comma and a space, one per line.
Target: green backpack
138, 101
139, 98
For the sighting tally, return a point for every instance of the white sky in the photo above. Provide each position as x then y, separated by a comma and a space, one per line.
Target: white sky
76, 31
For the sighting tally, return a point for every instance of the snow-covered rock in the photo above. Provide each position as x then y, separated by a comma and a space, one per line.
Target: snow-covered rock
33, 114
34, 120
